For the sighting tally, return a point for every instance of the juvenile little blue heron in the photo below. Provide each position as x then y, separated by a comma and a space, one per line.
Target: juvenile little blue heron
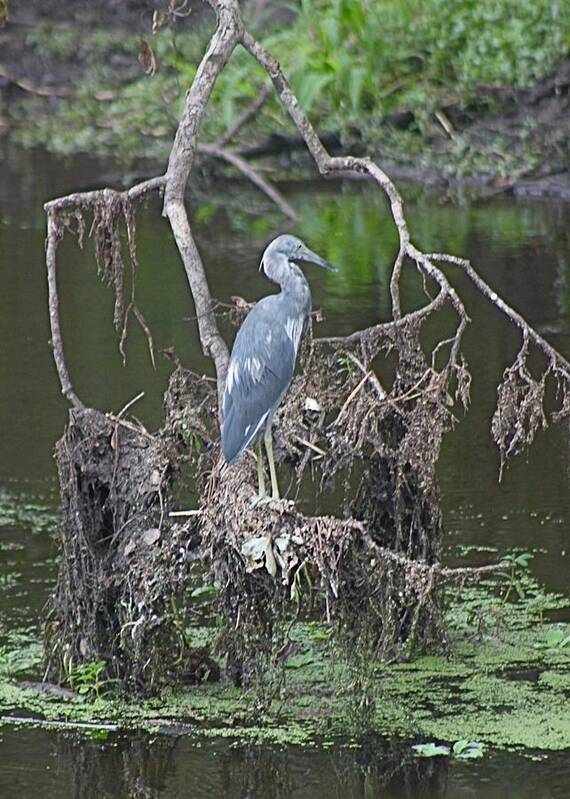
264, 354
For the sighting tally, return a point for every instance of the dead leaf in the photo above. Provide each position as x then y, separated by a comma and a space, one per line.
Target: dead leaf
147, 57
270, 564
312, 405
253, 550
258, 550
151, 536
239, 302
115, 439
158, 20
130, 547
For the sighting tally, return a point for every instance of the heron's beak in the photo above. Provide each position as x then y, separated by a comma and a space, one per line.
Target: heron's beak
312, 258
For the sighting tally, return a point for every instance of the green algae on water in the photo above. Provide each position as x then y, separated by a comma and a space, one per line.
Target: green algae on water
505, 683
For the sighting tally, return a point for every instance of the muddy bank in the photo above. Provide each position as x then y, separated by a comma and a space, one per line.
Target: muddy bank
513, 141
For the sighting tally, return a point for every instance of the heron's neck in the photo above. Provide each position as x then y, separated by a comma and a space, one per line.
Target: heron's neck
289, 276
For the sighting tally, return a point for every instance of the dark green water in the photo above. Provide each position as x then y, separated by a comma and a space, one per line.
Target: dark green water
522, 248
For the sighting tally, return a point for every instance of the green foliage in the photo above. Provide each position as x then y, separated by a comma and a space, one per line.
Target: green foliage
17, 511
461, 750
345, 364
509, 601
89, 678
431, 750
516, 565
556, 637
468, 750
318, 631
19, 655
375, 57
350, 62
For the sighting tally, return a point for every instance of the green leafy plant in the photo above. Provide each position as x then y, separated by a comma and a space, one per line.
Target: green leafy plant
468, 750
557, 637
461, 750
319, 632
89, 678
431, 750
19, 657
345, 364
515, 564
302, 575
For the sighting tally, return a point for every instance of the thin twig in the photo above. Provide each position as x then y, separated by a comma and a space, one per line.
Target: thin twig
245, 117
372, 377
555, 357
350, 397
146, 330
310, 445
130, 403
191, 512
130, 426
252, 174
446, 124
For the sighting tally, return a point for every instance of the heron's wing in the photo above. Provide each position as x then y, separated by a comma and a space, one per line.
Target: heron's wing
260, 370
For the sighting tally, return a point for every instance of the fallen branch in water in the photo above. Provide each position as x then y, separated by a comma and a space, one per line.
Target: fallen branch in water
30, 88
245, 117
231, 157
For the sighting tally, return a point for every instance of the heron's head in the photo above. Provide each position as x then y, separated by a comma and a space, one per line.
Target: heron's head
294, 250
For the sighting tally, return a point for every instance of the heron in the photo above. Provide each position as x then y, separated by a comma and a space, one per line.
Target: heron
263, 357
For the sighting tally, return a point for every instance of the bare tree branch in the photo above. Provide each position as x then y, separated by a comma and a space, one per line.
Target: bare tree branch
222, 45
557, 360
53, 238
41, 91
56, 212
328, 165
229, 33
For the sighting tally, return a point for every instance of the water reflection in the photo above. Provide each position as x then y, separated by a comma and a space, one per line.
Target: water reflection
167, 767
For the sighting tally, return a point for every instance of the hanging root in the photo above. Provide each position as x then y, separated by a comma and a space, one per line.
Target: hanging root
520, 410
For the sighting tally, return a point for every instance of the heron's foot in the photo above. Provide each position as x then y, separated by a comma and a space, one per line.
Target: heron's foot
260, 501
266, 499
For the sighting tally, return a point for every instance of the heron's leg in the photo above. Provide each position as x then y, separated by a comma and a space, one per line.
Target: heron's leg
269, 447
260, 475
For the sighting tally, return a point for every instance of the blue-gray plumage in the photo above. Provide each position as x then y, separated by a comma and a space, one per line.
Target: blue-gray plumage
264, 354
